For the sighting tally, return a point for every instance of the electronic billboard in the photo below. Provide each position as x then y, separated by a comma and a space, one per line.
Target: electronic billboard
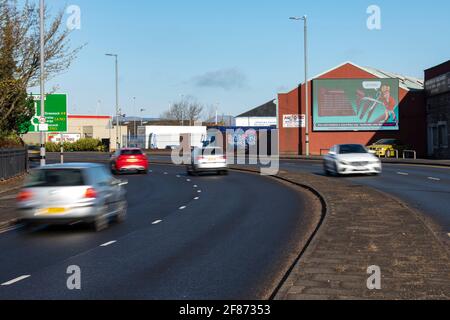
356, 105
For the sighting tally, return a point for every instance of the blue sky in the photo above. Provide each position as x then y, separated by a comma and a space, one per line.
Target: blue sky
237, 54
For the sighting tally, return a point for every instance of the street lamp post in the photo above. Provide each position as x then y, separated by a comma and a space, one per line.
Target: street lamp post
42, 75
117, 98
307, 138
135, 121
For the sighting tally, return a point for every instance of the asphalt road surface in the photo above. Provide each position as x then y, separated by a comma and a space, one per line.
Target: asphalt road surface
207, 237
425, 188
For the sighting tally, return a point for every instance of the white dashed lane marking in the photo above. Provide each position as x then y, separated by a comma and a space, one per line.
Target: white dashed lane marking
183, 207
188, 180
434, 179
403, 173
108, 243
15, 280
195, 186
199, 191
196, 198
156, 222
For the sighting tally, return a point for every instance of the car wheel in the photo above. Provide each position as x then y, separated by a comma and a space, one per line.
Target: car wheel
122, 213
28, 227
101, 221
336, 172
327, 172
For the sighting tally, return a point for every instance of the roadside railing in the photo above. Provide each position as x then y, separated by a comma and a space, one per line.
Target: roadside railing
410, 152
13, 163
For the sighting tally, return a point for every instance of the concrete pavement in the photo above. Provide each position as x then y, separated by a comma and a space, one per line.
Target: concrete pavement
363, 228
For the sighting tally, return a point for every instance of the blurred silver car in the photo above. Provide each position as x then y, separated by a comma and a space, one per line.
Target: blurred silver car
72, 193
207, 159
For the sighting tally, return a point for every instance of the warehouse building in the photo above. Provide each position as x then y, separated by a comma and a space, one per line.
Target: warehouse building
82, 127
437, 85
262, 116
353, 104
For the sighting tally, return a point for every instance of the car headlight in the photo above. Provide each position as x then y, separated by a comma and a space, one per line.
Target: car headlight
344, 163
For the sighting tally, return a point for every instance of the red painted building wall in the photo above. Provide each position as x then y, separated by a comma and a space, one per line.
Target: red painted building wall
412, 119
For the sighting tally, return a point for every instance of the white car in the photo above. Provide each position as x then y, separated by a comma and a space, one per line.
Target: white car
347, 159
208, 159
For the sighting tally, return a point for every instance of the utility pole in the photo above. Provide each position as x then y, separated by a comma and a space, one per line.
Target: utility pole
42, 76
117, 99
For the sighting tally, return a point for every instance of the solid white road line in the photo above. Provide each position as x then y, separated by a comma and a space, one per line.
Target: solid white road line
182, 208
156, 222
434, 179
15, 280
108, 243
403, 173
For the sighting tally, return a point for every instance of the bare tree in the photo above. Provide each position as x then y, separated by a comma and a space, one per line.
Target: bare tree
20, 57
185, 110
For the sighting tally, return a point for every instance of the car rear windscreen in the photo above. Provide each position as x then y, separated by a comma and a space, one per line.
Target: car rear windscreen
56, 178
212, 152
131, 152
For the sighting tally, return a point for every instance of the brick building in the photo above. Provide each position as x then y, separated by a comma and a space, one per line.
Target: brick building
437, 85
410, 118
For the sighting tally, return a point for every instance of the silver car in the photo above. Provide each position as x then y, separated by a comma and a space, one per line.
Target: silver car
208, 159
72, 193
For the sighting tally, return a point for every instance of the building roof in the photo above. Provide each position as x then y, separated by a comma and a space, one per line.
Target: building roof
268, 109
407, 83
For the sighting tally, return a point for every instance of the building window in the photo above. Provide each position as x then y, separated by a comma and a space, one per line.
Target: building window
442, 132
438, 137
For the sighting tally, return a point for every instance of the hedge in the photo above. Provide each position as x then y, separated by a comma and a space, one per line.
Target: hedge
82, 145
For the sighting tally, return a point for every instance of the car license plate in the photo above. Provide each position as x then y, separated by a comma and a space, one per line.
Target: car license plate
132, 160
52, 212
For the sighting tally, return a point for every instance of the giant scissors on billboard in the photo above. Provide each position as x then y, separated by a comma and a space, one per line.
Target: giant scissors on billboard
356, 105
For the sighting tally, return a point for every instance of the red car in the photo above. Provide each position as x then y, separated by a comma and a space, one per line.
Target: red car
129, 160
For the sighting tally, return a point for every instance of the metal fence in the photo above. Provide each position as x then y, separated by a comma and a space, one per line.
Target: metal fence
13, 162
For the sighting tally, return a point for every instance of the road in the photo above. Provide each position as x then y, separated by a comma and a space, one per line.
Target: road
425, 188
207, 237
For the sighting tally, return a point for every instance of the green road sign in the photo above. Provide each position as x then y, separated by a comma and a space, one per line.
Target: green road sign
55, 113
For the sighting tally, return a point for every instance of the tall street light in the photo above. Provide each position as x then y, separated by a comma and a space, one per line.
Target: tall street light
42, 76
117, 99
305, 20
